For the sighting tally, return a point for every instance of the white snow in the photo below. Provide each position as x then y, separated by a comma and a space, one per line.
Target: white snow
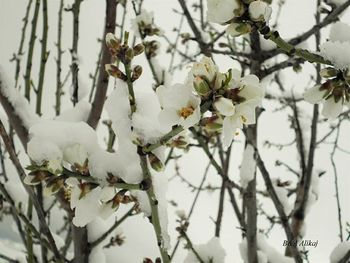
266, 253
17, 100
78, 113
282, 194
248, 166
212, 250
337, 48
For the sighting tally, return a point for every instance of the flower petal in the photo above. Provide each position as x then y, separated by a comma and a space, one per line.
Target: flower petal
314, 95
225, 106
332, 109
169, 117
230, 125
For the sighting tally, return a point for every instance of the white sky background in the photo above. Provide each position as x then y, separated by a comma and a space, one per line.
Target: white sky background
297, 16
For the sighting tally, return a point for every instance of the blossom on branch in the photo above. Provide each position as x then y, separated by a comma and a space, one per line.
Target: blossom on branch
238, 104
179, 106
240, 15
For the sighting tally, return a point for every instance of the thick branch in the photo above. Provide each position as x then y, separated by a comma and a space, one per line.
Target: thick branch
102, 83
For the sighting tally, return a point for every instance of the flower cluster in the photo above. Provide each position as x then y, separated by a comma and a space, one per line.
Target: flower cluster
230, 99
334, 93
239, 15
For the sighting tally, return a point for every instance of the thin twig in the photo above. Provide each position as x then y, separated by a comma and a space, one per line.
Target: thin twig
27, 75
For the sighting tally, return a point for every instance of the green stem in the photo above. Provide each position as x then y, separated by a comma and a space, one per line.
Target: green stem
20, 49
59, 60
27, 76
30, 252
163, 140
175, 131
275, 37
67, 173
130, 88
44, 56
154, 209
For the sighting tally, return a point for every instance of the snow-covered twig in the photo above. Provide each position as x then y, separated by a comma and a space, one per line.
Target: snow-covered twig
7, 141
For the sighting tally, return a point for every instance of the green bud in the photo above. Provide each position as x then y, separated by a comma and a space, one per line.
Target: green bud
115, 72
136, 73
201, 86
138, 49
212, 124
112, 43
156, 164
328, 72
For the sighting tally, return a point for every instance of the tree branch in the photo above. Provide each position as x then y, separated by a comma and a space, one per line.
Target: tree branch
103, 78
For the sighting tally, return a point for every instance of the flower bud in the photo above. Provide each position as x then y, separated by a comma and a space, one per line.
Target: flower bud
259, 11
212, 124
201, 86
129, 55
115, 72
328, 72
181, 141
238, 29
112, 43
138, 49
156, 164
136, 73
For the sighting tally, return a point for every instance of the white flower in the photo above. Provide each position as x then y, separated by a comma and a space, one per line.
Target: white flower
222, 11
249, 93
179, 106
205, 69
260, 11
75, 154
332, 108
332, 104
87, 206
